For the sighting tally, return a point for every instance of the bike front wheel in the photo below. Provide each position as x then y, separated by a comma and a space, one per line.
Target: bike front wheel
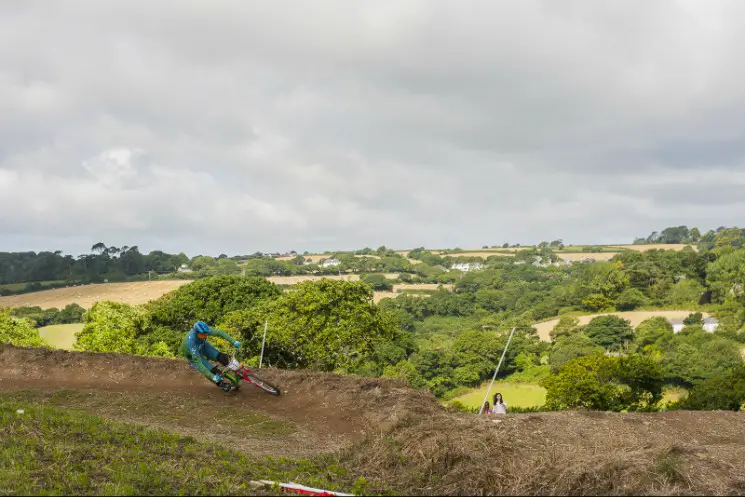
263, 384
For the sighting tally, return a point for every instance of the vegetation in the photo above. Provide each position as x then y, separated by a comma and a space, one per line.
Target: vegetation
449, 341
18, 331
53, 451
72, 313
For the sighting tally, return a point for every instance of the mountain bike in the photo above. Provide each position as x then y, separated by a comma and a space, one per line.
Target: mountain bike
237, 372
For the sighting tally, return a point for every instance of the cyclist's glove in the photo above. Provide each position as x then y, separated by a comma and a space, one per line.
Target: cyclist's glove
237, 344
217, 379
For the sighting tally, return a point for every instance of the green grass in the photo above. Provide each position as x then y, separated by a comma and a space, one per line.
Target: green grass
60, 336
48, 451
514, 394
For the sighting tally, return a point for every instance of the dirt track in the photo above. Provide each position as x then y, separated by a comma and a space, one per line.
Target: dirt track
323, 409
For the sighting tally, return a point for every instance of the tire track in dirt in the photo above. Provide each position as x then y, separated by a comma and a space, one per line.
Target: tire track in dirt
329, 411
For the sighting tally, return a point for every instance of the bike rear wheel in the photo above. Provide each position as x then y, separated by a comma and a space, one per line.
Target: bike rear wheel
263, 384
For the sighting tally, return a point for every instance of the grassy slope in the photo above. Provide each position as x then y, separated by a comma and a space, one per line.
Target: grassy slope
47, 450
61, 336
514, 394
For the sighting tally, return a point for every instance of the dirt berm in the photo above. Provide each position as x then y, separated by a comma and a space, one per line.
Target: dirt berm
387, 432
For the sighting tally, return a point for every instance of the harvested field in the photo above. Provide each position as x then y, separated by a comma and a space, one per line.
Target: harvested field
390, 433
635, 317
421, 286
482, 254
293, 280
139, 292
598, 256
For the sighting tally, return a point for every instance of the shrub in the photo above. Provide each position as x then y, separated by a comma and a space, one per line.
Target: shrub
18, 331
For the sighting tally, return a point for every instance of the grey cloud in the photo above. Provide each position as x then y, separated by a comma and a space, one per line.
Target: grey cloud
333, 124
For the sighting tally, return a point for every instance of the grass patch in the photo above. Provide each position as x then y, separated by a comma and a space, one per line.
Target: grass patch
60, 336
47, 450
160, 409
514, 394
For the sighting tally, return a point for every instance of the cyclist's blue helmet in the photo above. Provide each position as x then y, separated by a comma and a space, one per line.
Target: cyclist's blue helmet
201, 328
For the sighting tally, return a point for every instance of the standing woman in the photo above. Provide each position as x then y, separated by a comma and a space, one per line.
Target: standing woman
499, 406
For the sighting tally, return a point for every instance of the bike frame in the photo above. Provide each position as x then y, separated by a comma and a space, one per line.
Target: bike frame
241, 373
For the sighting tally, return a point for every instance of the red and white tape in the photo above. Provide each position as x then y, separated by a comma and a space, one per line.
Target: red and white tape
300, 489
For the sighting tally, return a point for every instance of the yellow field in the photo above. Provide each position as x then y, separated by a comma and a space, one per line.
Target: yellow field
598, 256
60, 336
635, 317
138, 292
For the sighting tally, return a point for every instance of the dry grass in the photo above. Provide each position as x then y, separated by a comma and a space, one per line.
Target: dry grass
134, 293
482, 254
598, 256
403, 439
635, 317
428, 452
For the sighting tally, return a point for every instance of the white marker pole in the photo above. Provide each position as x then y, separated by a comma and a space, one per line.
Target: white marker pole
481, 409
261, 357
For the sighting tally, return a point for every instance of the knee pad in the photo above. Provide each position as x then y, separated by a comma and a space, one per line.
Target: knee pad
214, 370
223, 358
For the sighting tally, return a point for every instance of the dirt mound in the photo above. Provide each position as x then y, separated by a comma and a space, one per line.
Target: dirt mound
390, 433
323, 403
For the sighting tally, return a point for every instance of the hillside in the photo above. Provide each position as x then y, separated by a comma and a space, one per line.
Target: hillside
394, 437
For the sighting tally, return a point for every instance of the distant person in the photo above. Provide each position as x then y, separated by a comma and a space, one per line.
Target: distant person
197, 350
486, 409
499, 406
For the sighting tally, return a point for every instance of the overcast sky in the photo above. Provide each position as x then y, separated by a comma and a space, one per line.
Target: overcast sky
236, 126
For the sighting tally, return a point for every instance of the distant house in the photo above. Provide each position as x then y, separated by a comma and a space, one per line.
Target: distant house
710, 324
184, 269
330, 263
467, 266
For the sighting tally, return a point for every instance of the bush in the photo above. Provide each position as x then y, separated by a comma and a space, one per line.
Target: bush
610, 332
210, 300
630, 299
605, 383
725, 391
18, 331
378, 282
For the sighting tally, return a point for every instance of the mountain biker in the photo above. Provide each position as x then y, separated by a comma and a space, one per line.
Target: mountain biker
196, 349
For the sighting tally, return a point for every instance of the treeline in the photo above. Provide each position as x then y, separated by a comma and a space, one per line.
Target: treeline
103, 263
71, 313
721, 236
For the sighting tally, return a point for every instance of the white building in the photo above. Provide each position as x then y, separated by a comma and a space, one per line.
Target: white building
184, 269
710, 325
467, 266
330, 263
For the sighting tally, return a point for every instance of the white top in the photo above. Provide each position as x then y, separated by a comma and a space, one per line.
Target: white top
499, 408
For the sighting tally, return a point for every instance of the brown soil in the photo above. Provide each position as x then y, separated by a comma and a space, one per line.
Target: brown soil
390, 433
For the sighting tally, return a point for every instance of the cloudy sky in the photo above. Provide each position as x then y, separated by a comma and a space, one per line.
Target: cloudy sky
236, 126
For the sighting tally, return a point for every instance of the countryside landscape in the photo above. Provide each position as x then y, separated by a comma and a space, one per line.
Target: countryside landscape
380, 353
339, 248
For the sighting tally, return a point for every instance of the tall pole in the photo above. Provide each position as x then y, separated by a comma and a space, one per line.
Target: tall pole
481, 409
263, 341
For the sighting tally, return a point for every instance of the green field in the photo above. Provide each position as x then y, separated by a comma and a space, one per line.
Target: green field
514, 395
61, 336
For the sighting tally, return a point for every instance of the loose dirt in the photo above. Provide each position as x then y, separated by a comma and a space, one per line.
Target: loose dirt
390, 433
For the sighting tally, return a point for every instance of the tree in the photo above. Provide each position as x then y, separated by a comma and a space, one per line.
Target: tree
630, 299
695, 234
567, 325
18, 331
685, 292
605, 383
611, 332
325, 324
571, 346
653, 331
111, 327
724, 391
210, 300
378, 282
